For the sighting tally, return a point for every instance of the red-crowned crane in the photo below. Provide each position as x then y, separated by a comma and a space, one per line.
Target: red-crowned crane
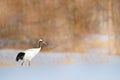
27, 55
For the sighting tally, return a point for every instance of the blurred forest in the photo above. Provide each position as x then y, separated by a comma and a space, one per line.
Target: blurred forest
67, 25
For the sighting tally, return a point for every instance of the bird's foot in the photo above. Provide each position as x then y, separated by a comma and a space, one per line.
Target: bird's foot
29, 63
22, 64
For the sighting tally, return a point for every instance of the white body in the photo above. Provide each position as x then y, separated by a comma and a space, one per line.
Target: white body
30, 53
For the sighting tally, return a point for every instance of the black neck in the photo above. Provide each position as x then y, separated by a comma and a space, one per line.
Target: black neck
40, 44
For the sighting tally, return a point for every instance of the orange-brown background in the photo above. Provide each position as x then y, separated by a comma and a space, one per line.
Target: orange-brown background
64, 24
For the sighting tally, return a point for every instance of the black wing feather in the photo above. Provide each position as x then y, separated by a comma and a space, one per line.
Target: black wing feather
20, 56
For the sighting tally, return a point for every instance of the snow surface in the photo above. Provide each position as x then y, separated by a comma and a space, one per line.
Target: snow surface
62, 72
60, 66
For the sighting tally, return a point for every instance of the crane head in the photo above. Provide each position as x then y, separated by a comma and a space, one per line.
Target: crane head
40, 40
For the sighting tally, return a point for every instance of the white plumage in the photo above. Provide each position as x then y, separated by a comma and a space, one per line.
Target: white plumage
30, 53
27, 55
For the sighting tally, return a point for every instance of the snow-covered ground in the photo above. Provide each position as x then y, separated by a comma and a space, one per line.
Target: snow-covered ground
60, 66
62, 72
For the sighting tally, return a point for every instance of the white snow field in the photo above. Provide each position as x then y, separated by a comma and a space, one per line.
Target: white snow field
60, 66
62, 72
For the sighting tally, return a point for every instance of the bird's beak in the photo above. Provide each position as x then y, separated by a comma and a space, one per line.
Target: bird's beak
45, 43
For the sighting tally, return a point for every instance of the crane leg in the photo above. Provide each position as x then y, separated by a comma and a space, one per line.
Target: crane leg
22, 63
29, 63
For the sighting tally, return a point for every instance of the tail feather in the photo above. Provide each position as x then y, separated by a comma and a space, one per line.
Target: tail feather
20, 56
